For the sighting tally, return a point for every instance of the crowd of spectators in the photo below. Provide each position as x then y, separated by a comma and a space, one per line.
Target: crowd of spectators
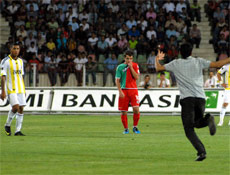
62, 35
218, 13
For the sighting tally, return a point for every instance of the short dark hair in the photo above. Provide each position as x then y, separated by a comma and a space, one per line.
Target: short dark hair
147, 76
185, 50
14, 44
129, 53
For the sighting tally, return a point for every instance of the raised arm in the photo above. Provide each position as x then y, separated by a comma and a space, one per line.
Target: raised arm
133, 72
160, 56
218, 64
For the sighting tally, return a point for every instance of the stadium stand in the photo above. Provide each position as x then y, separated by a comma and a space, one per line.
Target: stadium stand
67, 28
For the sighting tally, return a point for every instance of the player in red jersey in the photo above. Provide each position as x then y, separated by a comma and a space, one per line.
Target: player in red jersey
127, 74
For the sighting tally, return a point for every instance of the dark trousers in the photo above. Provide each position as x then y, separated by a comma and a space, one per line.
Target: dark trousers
64, 76
93, 73
106, 73
79, 75
192, 114
52, 74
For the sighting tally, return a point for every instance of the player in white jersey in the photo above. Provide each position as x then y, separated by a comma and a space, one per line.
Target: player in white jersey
12, 85
226, 84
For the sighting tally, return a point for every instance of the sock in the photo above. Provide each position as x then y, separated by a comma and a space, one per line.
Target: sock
124, 121
19, 120
10, 117
222, 114
136, 118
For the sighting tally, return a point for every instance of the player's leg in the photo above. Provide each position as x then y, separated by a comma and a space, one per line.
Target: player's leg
12, 113
123, 105
222, 114
224, 107
133, 94
188, 115
19, 115
200, 120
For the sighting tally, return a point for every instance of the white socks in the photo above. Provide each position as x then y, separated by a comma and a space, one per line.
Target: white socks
222, 114
19, 120
10, 117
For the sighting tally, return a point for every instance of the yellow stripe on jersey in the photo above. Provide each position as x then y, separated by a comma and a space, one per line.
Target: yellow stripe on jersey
23, 85
8, 81
12, 76
228, 78
18, 77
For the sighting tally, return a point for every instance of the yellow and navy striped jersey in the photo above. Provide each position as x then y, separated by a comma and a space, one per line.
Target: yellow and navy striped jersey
225, 70
14, 71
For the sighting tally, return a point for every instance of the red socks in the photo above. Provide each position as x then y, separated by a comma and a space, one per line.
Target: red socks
136, 118
124, 121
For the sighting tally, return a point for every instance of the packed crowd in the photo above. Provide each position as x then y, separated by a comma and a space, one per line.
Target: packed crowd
218, 13
60, 35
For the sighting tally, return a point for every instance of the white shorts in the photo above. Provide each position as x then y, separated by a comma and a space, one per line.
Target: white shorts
17, 99
227, 96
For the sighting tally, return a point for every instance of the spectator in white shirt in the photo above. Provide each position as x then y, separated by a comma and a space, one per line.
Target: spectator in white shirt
70, 14
131, 22
32, 49
12, 9
52, 6
84, 24
112, 42
151, 62
169, 6
79, 63
22, 32
147, 84
142, 23
92, 42
29, 40
211, 81
84, 15
163, 82
180, 5
122, 31
113, 5
151, 32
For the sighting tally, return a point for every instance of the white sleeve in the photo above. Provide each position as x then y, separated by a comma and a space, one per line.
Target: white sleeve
4, 68
167, 82
223, 69
22, 67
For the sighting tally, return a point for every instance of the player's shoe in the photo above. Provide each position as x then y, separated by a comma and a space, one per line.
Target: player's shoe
19, 133
126, 131
220, 124
136, 131
201, 157
212, 125
8, 130
229, 123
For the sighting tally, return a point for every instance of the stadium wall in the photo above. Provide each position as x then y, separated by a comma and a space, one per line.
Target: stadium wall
105, 100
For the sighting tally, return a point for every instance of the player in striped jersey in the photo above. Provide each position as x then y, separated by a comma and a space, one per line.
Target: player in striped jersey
12, 84
226, 84
126, 75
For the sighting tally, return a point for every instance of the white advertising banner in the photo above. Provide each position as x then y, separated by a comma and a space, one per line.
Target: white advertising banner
37, 100
102, 100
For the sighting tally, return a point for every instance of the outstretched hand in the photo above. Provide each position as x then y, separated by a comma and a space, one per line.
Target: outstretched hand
160, 55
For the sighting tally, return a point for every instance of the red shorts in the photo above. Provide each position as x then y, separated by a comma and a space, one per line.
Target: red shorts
131, 96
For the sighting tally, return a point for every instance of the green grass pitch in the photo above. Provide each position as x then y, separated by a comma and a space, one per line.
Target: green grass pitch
95, 145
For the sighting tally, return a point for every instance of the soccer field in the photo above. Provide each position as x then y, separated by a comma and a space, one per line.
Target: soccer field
87, 144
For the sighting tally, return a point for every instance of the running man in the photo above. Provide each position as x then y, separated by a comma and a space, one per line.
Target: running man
189, 74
